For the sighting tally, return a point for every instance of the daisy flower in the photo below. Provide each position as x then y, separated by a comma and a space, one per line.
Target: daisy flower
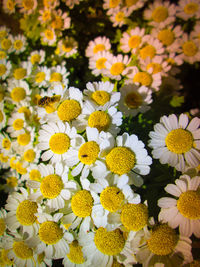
51, 4
97, 62
103, 118
9, 6
134, 99
161, 245
4, 31
24, 139
37, 57
4, 161
58, 74
27, 6
58, 140
45, 15
160, 14
5, 69
102, 93
187, 9
48, 37
13, 181
6, 44
176, 141
22, 71
40, 76
97, 45
85, 156
67, 47
116, 66
60, 21
5, 144
53, 186
21, 212
190, 49
30, 154
132, 40
19, 43
182, 210
16, 123
111, 4
118, 16
132, 5
126, 159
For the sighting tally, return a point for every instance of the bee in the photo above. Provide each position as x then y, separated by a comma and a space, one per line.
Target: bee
47, 100
84, 156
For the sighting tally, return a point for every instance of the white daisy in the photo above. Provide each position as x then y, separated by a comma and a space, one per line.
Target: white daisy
97, 45
132, 5
5, 144
9, 6
134, 99
118, 16
59, 140
4, 161
176, 141
102, 93
125, 160
53, 186
48, 37
27, 6
111, 4
19, 43
187, 9
60, 20
190, 49
5, 69
183, 210
4, 31
21, 213
45, 15
40, 76
13, 181
23, 70
6, 43
37, 57
67, 47
16, 123
58, 74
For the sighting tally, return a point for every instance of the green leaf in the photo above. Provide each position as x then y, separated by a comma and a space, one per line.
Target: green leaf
177, 101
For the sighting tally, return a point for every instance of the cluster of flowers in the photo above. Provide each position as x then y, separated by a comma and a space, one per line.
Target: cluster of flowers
71, 173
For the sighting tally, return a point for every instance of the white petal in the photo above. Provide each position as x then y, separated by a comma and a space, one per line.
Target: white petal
173, 190
167, 202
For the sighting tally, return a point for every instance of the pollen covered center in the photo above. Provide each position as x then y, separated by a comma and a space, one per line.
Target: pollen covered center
100, 120
82, 203
69, 110
35, 175
120, 160
24, 139
179, 141
25, 212
100, 63
17, 94
191, 8
117, 68
88, 152
22, 250
133, 100
18, 124
134, 41
143, 77
51, 186
162, 241
59, 143
134, 216
111, 198
99, 47
50, 232
19, 73
188, 204
109, 243
160, 14
75, 254
147, 51
166, 36
189, 48
101, 97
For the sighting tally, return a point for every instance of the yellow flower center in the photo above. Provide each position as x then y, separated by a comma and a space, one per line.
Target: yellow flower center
143, 77
17, 94
109, 243
49, 34
35, 175
59, 143
18, 44
1, 116
46, 15
179, 141
18, 124
189, 48
111, 198
117, 68
160, 14
57, 23
22, 251
6, 44
134, 41
133, 100
163, 240
134, 216
120, 16
188, 204
100, 63
11, 182
147, 51
2, 226
2, 55
25, 212
100, 120
88, 152
2, 69
51, 186
114, 3
69, 110
191, 8
55, 77
120, 160
3, 34
28, 4
6, 143
67, 47
166, 37
4, 257
10, 5
82, 203
100, 97
40, 77
24, 139
75, 254
35, 59
29, 155
130, 3
155, 66
99, 47
50, 232
19, 168
19, 73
